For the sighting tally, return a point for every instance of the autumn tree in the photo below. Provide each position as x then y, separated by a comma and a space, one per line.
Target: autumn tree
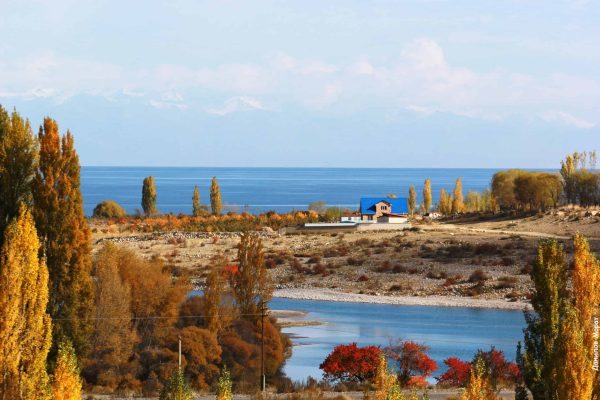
18, 160
458, 205
445, 203
427, 195
457, 373
114, 338
251, 284
215, 197
542, 359
25, 327
109, 209
62, 226
413, 365
196, 207
567, 171
224, 385
499, 372
212, 296
478, 387
575, 377
149, 196
350, 363
412, 200
156, 293
66, 383
176, 388
386, 385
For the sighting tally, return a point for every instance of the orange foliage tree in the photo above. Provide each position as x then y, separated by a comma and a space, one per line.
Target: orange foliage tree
62, 226
350, 363
413, 365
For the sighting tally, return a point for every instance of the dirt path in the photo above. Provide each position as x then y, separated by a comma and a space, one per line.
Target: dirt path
457, 228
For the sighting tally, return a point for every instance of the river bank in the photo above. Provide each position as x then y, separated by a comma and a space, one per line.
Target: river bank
432, 301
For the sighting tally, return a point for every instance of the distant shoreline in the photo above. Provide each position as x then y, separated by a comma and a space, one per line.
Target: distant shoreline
428, 301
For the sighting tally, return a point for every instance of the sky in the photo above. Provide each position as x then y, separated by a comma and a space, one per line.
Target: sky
349, 83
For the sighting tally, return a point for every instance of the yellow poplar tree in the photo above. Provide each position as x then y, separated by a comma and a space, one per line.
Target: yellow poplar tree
66, 383
216, 204
412, 200
427, 195
479, 387
213, 291
224, 385
443, 202
251, 285
576, 377
18, 158
62, 226
458, 204
25, 327
149, 196
196, 207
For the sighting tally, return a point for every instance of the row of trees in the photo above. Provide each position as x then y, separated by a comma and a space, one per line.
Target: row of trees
454, 203
558, 358
577, 183
412, 366
117, 318
141, 312
526, 190
149, 199
46, 290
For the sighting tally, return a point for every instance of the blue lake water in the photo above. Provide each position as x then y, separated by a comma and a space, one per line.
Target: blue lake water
449, 331
262, 189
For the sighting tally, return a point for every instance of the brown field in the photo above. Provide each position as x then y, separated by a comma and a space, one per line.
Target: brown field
471, 257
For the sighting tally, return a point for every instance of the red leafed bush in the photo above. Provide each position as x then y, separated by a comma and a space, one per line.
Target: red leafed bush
413, 365
350, 363
501, 372
457, 373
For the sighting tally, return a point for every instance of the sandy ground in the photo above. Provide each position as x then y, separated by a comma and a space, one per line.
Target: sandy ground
472, 261
433, 301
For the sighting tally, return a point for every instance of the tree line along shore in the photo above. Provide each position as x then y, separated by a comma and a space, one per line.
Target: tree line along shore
113, 321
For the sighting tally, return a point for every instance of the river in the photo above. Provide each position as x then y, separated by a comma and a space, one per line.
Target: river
449, 331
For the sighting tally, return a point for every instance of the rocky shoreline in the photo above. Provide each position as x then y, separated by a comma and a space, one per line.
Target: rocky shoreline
431, 301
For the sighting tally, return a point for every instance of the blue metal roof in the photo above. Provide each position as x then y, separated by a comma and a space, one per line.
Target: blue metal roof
399, 205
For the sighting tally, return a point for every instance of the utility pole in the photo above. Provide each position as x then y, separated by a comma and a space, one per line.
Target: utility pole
179, 353
262, 348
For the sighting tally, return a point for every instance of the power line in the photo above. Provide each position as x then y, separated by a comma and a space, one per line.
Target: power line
151, 317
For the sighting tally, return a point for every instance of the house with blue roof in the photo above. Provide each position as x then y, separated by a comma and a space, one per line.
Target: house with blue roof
384, 210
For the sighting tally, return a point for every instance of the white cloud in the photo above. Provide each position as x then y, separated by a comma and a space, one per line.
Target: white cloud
236, 104
169, 99
420, 79
568, 119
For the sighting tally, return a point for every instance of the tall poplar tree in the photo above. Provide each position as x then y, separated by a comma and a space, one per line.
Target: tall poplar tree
443, 203
213, 292
149, 196
542, 359
215, 197
25, 327
66, 383
63, 229
196, 206
427, 195
251, 285
576, 377
18, 159
458, 204
412, 199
